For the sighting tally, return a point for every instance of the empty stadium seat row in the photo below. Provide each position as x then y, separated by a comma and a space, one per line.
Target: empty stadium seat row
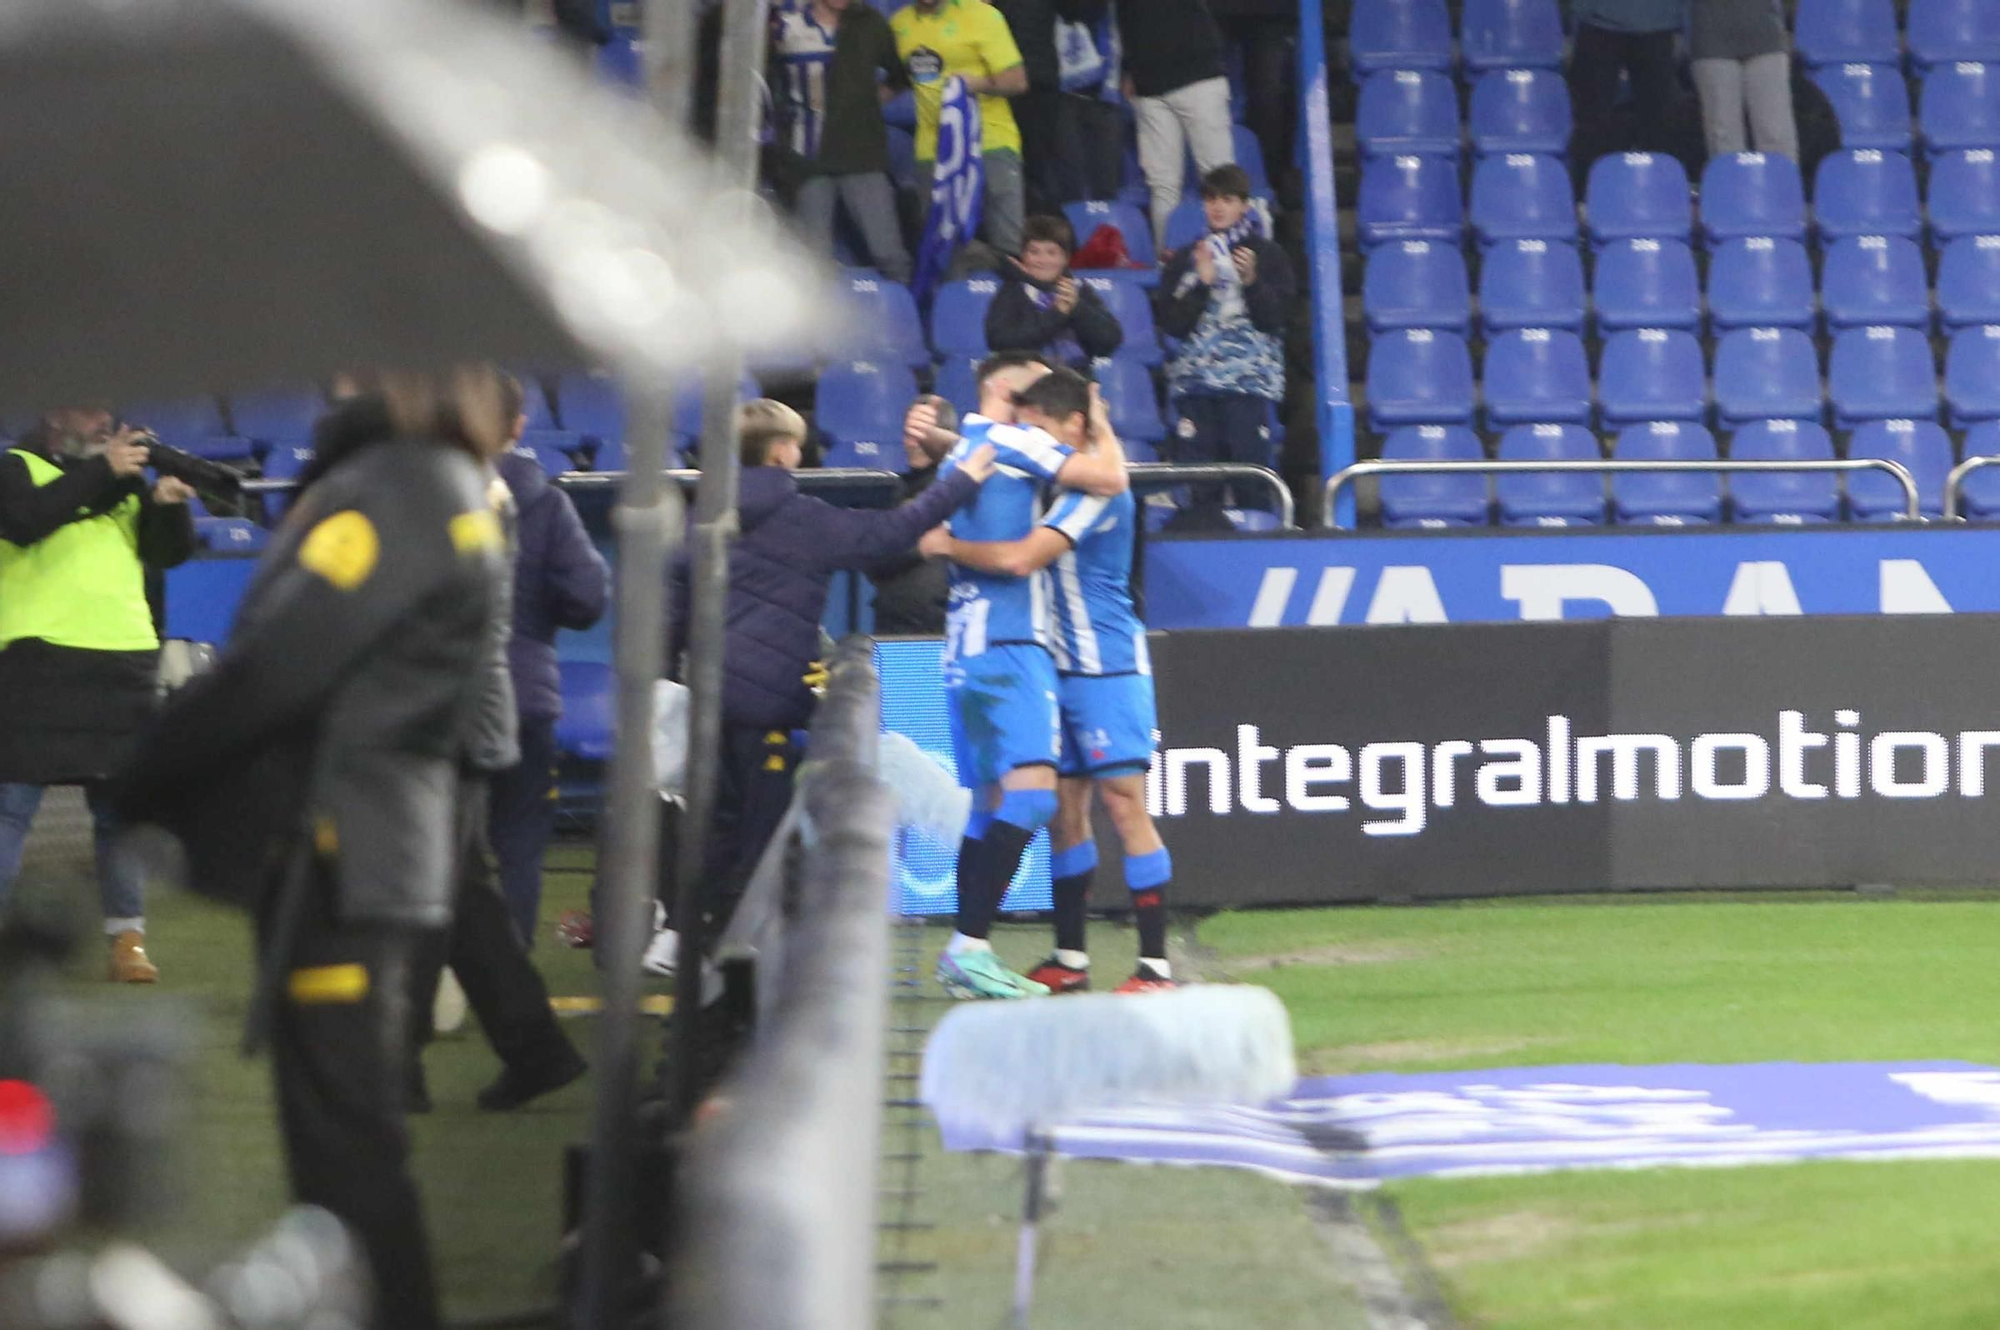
1416, 34
1831, 32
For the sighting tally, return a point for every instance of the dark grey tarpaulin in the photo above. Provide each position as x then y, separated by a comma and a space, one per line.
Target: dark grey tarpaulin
204, 194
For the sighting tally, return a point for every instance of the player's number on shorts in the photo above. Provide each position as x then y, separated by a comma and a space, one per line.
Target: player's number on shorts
965, 634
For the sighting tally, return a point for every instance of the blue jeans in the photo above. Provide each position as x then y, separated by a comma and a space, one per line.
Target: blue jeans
121, 886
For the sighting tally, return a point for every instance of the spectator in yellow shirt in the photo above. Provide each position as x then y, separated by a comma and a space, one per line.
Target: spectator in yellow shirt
938, 39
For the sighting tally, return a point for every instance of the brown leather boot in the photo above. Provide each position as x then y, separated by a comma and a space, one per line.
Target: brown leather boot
129, 964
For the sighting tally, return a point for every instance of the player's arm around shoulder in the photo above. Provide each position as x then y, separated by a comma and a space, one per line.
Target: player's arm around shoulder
1101, 472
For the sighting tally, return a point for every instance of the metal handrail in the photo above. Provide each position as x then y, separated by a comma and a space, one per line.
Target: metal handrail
1954, 483
1896, 470
1169, 475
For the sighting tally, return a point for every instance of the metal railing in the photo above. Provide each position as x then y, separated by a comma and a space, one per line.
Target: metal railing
1361, 470
1151, 476
1954, 484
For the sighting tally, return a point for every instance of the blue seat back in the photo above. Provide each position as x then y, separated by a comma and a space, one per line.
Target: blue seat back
1635, 195
1979, 492
1965, 194
1881, 373
1399, 34
1651, 374
1647, 284
1536, 376
1922, 447
1550, 498
1409, 197
1128, 220
1667, 498
1968, 282
1782, 497
1531, 284
1417, 376
1185, 224
1752, 194
1863, 191
1960, 106
880, 321
863, 400
1511, 34
590, 710
1417, 284
1522, 196
1942, 31
592, 407
1847, 31
1972, 375
1766, 374
1407, 110
1434, 500
278, 416
871, 454
1872, 103
1759, 282
1875, 279
190, 424
958, 316
1520, 110
1127, 303
554, 449
230, 535
958, 383
1129, 397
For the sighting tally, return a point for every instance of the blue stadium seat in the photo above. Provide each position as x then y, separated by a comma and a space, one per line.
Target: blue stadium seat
1407, 111
1637, 196
1979, 492
1972, 376
1536, 376
1872, 103
1522, 196
590, 710
1968, 282
1965, 195
279, 416
1550, 498
1433, 500
1128, 304
1520, 110
1409, 197
1921, 446
1832, 32
1123, 217
1419, 377
862, 400
1399, 34
958, 316
1249, 156
592, 407
1788, 498
958, 383
1646, 284
1682, 498
230, 535
1511, 34
1766, 374
872, 454
1881, 374
1185, 224
1865, 192
1760, 282
880, 321
1875, 279
287, 461
1417, 284
193, 425
687, 405
1944, 31
554, 449
1752, 194
1960, 107
1129, 397
1651, 374
1531, 284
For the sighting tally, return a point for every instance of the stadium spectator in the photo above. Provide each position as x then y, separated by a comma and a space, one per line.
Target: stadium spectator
1042, 307
1264, 30
312, 777
834, 63
911, 591
1179, 91
969, 39
1226, 297
779, 570
79, 653
1617, 38
1046, 153
1743, 64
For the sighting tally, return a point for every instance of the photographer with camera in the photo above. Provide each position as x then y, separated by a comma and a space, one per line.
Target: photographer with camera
79, 652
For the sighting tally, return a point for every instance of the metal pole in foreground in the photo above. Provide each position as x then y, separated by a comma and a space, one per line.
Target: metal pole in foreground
714, 528
669, 29
647, 518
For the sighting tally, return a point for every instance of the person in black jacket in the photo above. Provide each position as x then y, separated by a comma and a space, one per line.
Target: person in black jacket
1042, 307
312, 776
911, 591
1226, 297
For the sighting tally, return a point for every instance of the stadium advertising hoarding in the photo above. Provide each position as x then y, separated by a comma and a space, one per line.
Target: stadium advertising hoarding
1322, 580
1494, 759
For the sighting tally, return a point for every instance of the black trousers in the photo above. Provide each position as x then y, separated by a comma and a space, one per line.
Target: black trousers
521, 817
339, 1045
502, 986
1225, 427
753, 789
1599, 57
1268, 79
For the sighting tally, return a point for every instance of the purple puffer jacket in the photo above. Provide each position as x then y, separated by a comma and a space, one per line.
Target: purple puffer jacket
779, 568
560, 581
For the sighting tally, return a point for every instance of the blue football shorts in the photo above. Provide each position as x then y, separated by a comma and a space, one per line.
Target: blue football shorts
1003, 712
1109, 724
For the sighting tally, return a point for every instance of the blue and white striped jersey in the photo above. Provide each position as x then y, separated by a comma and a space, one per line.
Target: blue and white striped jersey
1095, 629
990, 609
805, 50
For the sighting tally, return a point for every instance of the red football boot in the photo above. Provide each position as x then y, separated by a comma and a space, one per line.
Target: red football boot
1059, 978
